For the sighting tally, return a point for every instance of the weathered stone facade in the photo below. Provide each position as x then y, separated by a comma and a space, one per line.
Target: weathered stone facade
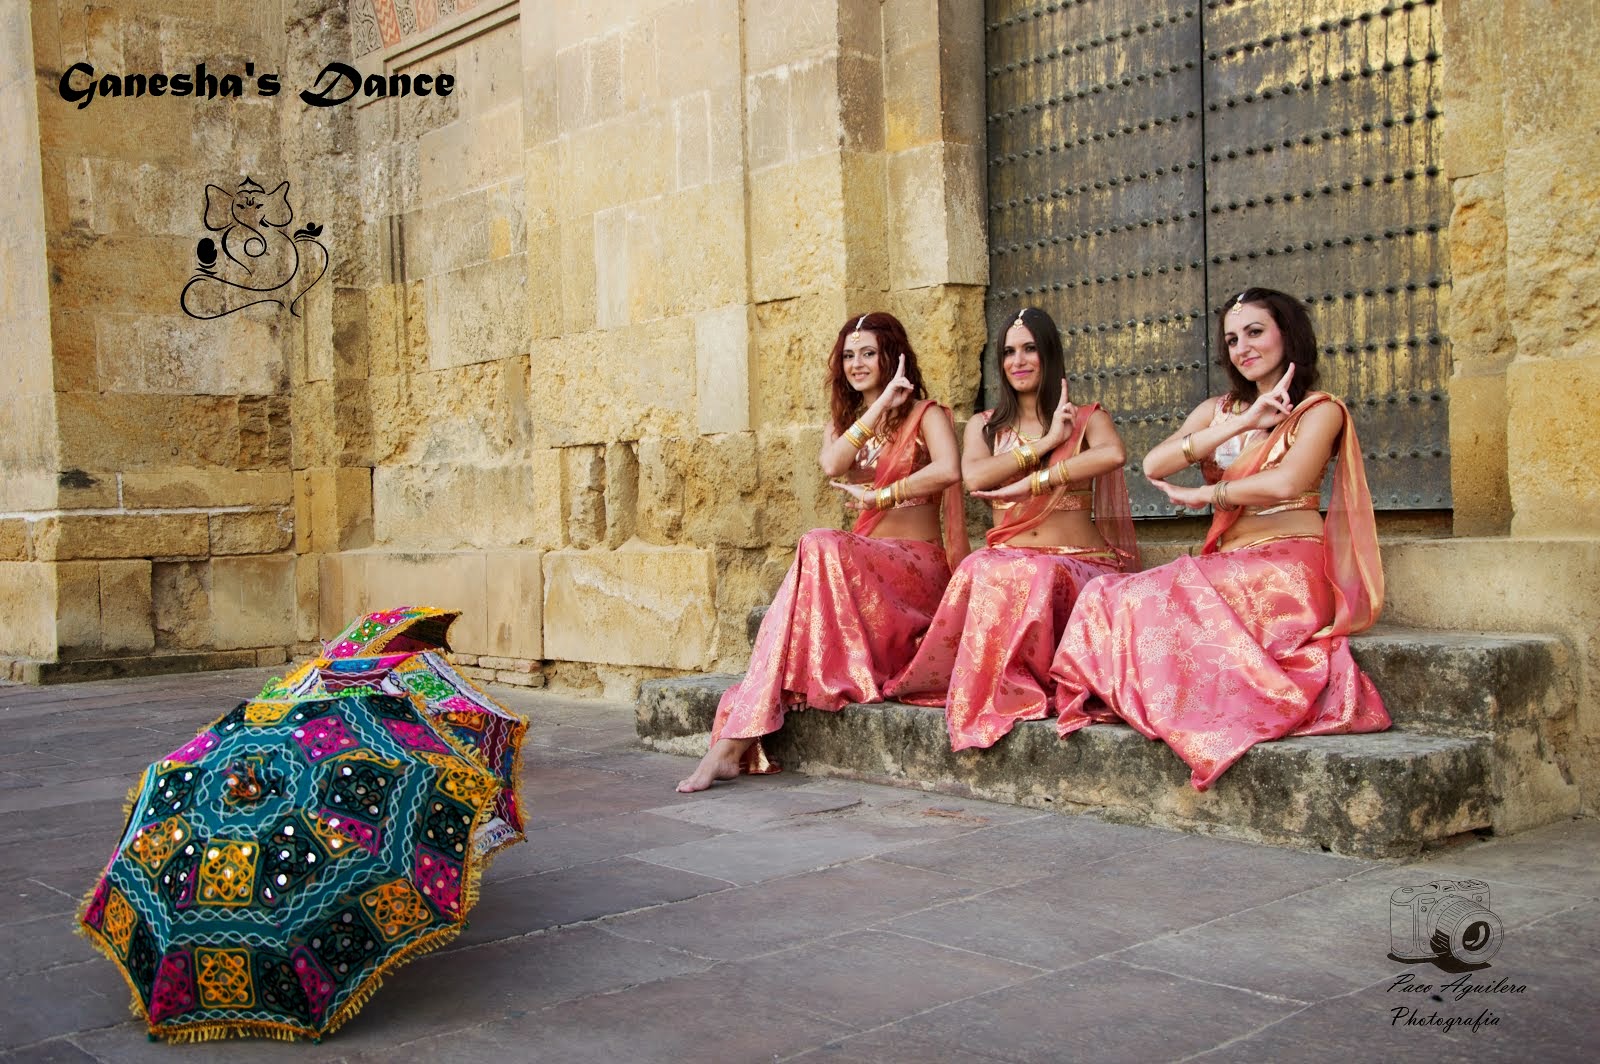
564, 370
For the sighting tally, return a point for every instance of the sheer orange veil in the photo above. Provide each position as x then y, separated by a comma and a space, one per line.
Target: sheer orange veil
1113, 517
896, 462
1350, 557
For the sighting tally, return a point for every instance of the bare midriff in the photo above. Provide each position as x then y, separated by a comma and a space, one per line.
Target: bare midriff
1062, 528
1253, 528
910, 522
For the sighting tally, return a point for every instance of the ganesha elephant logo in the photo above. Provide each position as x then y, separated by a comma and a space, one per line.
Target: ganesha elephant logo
253, 260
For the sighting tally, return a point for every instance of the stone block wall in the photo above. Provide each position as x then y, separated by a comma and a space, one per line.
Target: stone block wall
601, 281
1525, 316
574, 328
715, 186
154, 504
27, 392
1524, 326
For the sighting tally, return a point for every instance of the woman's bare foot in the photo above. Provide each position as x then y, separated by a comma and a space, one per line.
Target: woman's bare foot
720, 763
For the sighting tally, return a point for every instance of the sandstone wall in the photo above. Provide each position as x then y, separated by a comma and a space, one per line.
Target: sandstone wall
1524, 322
158, 505
618, 259
27, 398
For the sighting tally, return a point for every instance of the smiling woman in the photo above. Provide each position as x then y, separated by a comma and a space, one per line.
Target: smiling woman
1245, 642
1052, 471
854, 604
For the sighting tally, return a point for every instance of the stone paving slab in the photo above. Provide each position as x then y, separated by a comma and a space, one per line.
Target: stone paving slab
824, 920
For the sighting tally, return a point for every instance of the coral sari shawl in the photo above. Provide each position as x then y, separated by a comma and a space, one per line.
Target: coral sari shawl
1350, 558
897, 462
1113, 517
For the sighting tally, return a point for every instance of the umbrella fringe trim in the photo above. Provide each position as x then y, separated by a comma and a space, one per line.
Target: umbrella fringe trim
135, 1002
374, 982
80, 925
205, 1032
254, 1029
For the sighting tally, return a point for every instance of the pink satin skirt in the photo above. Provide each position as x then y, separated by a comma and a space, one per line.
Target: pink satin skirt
1214, 654
986, 657
846, 618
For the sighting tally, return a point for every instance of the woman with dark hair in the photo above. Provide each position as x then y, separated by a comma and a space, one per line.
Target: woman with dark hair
849, 614
1245, 642
1052, 471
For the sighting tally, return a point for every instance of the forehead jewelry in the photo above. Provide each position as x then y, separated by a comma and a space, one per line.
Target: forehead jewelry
855, 334
1019, 320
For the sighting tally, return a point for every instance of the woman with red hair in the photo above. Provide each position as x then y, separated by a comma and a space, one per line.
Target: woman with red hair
854, 604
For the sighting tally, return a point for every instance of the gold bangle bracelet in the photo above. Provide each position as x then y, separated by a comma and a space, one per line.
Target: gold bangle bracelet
1188, 448
1038, 482
885, 498
857, 434
1027, 458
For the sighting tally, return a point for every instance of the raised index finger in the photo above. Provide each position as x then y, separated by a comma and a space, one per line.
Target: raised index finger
1288, 375
900, 370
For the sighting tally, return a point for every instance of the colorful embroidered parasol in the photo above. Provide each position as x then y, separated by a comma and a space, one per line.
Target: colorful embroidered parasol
402, 652
278, 865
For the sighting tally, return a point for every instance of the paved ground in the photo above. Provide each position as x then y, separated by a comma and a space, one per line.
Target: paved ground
793, 918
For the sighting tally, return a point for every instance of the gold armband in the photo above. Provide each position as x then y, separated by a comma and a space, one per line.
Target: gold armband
1188, 448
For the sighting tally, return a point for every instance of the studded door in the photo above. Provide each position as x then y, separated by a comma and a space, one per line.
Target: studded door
1147, 159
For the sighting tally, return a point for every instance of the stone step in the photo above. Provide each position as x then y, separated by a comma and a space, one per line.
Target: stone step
1483, 724
1450, 683
1382, 795
1466, 683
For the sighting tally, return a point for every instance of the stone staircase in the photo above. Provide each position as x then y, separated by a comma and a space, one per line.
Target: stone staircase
1482, 723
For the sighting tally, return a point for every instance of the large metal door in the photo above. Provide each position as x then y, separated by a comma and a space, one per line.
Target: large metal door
1146, 159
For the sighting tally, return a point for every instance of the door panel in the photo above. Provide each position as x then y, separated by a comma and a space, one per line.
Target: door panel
1148, 159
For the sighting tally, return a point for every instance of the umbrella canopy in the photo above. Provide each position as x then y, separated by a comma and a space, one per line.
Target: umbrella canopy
276, 866
402, 652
